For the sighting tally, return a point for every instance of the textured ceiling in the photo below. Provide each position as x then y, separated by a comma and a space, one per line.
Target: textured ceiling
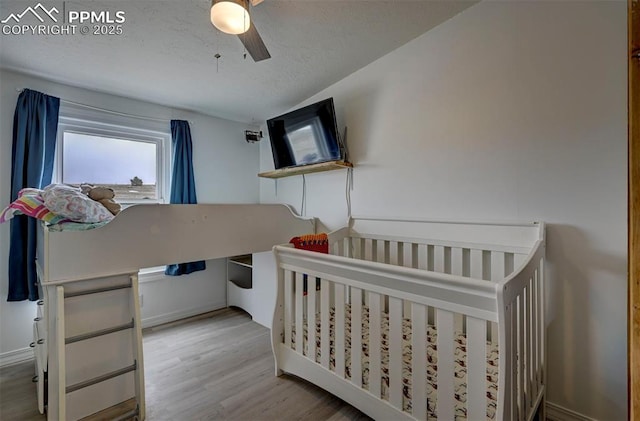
166, 52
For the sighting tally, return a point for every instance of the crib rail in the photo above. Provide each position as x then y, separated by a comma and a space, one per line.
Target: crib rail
352, 291
472, 260
495, 233
449, 292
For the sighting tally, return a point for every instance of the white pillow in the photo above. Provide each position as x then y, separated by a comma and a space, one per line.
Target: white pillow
71, 203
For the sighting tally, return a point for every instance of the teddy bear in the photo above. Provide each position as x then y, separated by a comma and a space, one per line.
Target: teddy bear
103, 195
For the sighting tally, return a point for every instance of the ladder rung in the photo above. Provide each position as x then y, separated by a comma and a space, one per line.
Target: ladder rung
97, 333
128, 415
96, 291
101, 379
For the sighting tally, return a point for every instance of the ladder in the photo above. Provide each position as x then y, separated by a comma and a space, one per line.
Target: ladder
83, 361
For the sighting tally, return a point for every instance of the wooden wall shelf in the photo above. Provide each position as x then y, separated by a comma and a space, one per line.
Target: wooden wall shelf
306, 169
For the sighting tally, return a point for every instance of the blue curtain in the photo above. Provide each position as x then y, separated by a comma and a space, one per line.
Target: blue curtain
183, 186
35, 125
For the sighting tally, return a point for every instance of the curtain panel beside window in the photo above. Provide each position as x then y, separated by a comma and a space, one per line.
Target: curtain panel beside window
35, 125
183, 186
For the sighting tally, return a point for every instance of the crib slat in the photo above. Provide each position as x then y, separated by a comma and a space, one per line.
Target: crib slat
422, 256
366, 249
541, 322
339, 329
325, 309
355, 247
456, 261
507, 352
486, 265
430, 257
361, 249
395, 352
414, 255
288, 306
476, 264
449, 260
476, 369
533, 361
405, 251
356, 336
445, 404
521, 358
466, 263
374, 250
400, 253
531, 387
311, 318
539, 329
299, 313
419, 361
374, 344
497, 266
438, 256
386, 252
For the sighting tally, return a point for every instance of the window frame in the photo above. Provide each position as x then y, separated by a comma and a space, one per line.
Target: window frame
91, 127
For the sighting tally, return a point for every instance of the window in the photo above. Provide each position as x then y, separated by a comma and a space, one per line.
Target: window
132, 161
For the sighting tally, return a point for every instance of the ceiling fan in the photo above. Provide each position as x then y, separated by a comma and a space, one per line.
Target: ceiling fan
232, 17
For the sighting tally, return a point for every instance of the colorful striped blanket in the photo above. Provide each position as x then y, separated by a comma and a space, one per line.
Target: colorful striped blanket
30, 203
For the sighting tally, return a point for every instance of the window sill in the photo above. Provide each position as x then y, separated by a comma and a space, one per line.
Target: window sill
153, 274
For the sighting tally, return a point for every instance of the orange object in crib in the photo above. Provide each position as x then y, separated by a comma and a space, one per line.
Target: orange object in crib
312, 242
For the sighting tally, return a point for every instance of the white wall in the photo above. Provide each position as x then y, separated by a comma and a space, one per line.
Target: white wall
225, 169
508, 111
164, 298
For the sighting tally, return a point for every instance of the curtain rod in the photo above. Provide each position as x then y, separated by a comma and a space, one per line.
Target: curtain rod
163, 120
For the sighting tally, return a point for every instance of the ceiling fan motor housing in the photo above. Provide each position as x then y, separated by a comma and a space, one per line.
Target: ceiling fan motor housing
231, 16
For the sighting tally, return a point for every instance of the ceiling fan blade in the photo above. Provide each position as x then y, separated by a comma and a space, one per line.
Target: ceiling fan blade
256, 2
254, 44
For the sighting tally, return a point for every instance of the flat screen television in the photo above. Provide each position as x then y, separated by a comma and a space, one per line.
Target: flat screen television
308, 135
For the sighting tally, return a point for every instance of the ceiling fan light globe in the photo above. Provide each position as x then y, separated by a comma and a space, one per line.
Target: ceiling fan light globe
230, 17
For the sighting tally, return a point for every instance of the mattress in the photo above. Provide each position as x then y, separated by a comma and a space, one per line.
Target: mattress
460, 386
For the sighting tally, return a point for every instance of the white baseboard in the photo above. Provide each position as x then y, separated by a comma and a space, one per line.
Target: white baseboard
558, 413
182, 314
16, 356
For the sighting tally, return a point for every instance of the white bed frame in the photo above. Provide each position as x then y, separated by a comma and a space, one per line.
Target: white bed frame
152, 235
87, 333
484, 278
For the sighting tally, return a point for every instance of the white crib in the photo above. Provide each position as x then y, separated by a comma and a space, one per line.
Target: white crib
468, 298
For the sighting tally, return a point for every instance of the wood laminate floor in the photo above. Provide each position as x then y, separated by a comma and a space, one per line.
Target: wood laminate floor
217, 366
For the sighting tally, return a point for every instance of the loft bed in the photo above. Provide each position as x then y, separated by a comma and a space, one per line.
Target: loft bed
153, 235
87, 333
